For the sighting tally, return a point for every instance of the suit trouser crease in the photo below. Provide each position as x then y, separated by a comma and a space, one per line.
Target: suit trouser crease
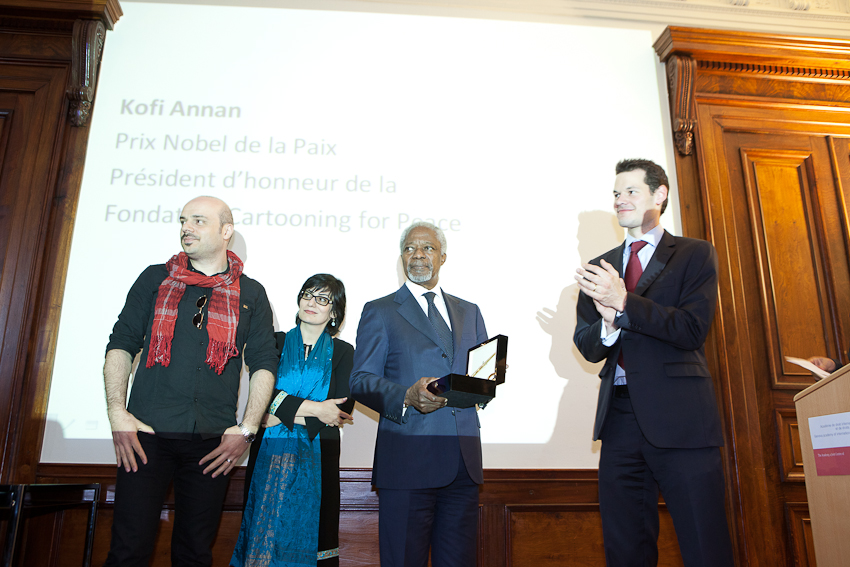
444, 520
631, 471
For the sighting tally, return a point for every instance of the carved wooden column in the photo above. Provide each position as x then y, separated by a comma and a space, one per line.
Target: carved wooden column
86, 50
680, 78
49, 57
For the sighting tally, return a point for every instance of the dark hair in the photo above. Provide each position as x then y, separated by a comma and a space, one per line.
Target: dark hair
654, 175
336, 289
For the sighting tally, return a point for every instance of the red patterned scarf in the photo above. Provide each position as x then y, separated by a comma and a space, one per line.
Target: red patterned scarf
223, 312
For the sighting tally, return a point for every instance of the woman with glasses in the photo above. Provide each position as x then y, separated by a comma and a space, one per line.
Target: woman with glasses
292, 481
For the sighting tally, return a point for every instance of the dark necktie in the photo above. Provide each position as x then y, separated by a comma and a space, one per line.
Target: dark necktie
634, 269
440, 326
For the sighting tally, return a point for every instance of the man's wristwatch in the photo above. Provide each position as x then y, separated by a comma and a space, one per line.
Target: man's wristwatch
246, 433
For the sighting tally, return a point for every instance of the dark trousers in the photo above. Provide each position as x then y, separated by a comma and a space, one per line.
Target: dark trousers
139, 497
631, 471
444, 520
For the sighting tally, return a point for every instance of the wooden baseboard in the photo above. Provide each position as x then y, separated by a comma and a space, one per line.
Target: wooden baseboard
528, 517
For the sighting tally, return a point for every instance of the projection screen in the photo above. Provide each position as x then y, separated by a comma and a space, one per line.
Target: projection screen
328, 132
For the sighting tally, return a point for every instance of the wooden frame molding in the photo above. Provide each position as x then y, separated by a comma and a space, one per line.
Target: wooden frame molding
781, 70
748, 51
107, 11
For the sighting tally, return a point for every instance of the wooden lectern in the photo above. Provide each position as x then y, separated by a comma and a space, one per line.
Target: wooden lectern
828, 494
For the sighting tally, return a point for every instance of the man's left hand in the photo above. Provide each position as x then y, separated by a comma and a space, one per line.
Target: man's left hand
603, 284
608, 315
223, 458
824, 363
420, 397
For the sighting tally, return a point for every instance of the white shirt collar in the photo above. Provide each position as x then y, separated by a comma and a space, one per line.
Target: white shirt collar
653, 237
420, 290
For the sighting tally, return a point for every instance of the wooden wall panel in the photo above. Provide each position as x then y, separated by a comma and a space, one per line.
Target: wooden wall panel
777, 186
571, 534
555, 535
800, 524
836, 218
790, 452
358, 538
535, 518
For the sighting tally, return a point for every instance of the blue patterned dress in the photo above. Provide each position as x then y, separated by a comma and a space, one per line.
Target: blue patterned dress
280, 525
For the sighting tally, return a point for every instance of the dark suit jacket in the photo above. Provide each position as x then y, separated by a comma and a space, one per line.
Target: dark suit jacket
396, 346
663, 332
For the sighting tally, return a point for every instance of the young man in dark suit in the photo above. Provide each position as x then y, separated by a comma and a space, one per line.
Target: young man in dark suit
645, 308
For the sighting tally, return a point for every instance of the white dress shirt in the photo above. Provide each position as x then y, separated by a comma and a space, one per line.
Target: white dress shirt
419, 292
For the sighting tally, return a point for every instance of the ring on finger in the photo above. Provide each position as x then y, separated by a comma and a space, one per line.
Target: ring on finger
228, 460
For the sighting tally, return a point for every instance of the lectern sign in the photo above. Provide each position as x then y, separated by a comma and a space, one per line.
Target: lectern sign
831, 443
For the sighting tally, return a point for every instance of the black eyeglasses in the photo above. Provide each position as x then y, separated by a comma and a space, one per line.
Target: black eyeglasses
198, 319
320, 299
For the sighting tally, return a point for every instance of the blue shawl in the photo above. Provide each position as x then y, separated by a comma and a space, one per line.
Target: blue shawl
280, 526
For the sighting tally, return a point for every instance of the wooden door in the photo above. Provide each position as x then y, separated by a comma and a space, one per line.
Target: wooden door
48, 71
30, 124
761, 124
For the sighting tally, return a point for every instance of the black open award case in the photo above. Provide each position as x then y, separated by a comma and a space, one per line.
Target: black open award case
485, 369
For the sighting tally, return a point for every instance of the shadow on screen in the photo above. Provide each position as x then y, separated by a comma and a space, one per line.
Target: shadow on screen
598, 232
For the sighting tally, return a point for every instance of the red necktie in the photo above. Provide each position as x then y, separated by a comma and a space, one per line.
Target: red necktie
634, 269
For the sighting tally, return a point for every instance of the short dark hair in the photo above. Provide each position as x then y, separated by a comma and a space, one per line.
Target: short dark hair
654, 175
336, 289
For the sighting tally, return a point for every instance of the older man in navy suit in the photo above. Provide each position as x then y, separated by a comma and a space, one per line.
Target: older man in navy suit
657, 413
427, 464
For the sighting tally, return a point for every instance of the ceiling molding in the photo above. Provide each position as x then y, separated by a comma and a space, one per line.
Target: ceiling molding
824, 18
817, 17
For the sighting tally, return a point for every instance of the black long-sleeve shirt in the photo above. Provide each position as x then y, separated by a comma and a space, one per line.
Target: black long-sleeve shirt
187, 396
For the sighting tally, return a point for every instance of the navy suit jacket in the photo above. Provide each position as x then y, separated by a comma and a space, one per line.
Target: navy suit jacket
396, 346
663, 332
